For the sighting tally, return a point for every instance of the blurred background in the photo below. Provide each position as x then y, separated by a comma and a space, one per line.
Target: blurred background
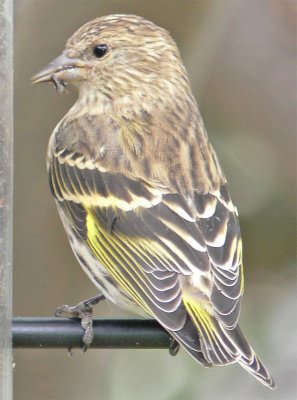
241, 59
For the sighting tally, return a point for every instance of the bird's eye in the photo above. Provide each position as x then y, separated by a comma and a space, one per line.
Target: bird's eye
100, 50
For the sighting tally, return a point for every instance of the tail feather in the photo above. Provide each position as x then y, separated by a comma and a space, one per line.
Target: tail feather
221, 346
188, 337
258, 370
249, 360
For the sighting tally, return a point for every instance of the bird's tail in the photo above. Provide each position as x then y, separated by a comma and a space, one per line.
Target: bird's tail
254, 365
222, 346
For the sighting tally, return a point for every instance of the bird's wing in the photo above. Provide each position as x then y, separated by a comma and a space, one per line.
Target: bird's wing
157, 246
220, 229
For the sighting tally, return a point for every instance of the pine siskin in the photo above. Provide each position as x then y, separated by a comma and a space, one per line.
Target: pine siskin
140, 190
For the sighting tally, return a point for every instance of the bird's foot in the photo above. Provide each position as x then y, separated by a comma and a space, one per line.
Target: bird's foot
174, 347
84, 311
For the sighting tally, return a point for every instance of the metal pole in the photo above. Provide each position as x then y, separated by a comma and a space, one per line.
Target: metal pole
6, 143
108, 333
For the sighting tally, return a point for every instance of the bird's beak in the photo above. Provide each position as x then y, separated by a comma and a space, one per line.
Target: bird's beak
63, 69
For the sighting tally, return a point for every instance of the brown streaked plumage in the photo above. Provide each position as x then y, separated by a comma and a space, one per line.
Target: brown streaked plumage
140, 191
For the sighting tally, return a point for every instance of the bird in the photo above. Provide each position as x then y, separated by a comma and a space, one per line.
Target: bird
141, 193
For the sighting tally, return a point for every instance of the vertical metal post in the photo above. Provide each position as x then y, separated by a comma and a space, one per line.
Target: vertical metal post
6, 166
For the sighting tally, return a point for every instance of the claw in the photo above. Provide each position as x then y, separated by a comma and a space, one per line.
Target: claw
84, 311
174, 347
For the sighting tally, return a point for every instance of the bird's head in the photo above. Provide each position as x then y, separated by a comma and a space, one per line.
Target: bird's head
116, 58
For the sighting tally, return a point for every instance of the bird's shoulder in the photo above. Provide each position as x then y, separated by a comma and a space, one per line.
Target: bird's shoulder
168, 146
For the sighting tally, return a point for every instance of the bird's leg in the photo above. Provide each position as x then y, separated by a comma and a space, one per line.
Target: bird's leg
173, 347
84, 311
